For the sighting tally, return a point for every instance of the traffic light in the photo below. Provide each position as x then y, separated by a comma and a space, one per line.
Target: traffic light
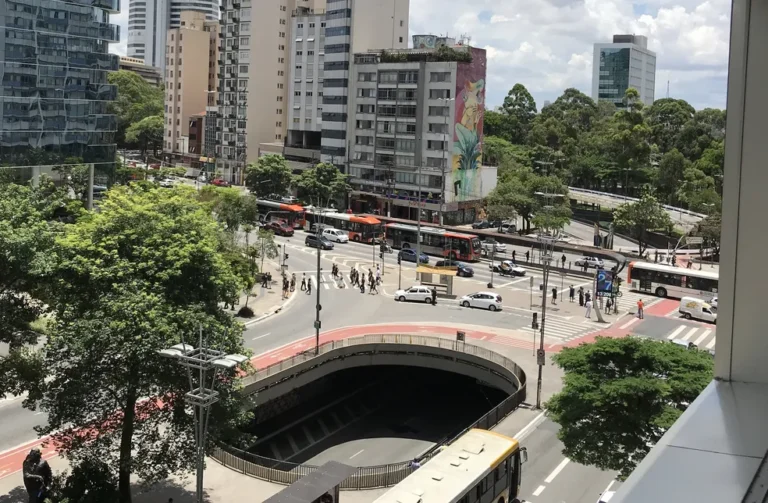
398, 259
286, 256
381, 256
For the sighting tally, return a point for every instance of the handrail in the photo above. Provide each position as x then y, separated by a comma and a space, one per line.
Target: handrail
628, 198
369, 477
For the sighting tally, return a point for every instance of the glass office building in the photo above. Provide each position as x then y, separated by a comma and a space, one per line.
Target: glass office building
54, 95
624, 63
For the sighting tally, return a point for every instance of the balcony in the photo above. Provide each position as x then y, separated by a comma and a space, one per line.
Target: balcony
299, 152
236, 4
235, 46
236, 17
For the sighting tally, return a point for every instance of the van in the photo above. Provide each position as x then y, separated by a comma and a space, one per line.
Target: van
691, 307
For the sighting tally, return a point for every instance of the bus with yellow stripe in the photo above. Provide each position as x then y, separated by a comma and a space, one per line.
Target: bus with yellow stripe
480, 466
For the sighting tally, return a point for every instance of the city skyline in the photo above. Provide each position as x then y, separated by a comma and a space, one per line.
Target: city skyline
690, 39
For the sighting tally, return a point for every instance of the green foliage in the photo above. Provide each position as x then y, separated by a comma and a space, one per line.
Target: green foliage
638, 217
321, 184
671, 170
136, 100
666, 117
147, 133
269, 175
501, 125
621, 395
441, 53
134, 278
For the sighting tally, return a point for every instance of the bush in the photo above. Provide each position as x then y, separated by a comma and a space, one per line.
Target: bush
245, 312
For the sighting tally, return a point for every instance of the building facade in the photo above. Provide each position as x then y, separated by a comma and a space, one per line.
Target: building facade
416, 131
149, 73
191, 59
625, 63
54, 62
150, 20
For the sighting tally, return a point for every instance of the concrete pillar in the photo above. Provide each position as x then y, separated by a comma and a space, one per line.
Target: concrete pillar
742, 345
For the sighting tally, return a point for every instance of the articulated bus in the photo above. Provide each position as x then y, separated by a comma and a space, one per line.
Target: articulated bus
480, 466
669, 281
273, 210
435, 241
362, 229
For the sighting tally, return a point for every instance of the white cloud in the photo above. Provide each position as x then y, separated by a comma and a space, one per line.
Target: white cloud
547, 44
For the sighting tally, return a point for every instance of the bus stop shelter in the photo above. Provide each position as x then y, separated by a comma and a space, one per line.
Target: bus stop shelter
325, 480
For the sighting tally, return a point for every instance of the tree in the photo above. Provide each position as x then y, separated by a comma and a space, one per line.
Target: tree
322, 183
630, 139
148, 133
637, 218
520, 106
666, 118
229, 208
671, 169
697, 190
130, 280
136, 100
709, 229
269, 176
621, 395
501, 125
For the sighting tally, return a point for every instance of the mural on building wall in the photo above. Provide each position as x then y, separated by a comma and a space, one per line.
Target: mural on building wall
424, 41
468, 128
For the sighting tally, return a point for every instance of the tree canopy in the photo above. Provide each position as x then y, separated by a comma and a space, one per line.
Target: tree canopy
621, 394
147, 133
136, 100
322, 184
269, 176
637, 218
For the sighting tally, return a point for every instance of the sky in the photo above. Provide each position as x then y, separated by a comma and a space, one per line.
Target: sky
546, 45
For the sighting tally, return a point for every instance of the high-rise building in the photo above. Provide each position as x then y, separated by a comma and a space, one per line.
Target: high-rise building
150, 20
415, 130
149, 73
292, 56
625, 63
192, 56
54, 93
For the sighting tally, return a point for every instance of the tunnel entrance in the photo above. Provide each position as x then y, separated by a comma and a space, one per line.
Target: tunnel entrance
367, 416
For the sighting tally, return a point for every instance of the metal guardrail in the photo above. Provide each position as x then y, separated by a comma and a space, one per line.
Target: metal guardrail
369, 477
627, 198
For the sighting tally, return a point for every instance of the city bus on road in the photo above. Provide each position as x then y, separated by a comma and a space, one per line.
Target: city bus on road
435, 241
362, 229
292, 214
480, 466
668, 281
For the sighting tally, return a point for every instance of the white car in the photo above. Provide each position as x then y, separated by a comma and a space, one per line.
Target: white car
594, 262
484, 300
414, 294
713, 302
508, 268
167, 183
606, 497
335, 235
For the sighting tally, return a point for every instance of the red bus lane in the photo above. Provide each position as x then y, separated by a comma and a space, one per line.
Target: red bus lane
11, 460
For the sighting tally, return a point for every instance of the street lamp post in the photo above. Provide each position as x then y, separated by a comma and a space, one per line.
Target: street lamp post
205, 361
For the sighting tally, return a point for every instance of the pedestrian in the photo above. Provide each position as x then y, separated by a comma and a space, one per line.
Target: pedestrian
640, 308
303, 281
554, 295
588, 296
373, 287
674, 260
690, 264
309, 286
571, 292
434, 296
589, 309
656, 257
293, 282
581, 297
378, 275
513, 255
563, 260
608, 305
586, 266
285, 288
263, 280
527, 256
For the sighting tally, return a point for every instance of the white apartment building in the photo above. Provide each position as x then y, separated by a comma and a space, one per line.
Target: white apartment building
625, 63
150, 20
407, 109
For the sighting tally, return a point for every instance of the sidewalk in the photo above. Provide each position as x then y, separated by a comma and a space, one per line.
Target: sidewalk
264, 301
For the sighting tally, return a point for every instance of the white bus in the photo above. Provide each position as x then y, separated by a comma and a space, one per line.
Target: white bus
668, 281
480, 466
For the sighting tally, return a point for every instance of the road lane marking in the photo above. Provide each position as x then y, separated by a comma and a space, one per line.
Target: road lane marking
711, 343
355, 454
539, 490
608, 488
677, 332
261, 336
629, 323
526, 429
690, 333
514, 282
556, 471
702, 337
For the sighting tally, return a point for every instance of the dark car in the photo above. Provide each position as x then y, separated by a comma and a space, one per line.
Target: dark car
462, 269
318, 242
219, 182
409, 255
482, 224
279, 228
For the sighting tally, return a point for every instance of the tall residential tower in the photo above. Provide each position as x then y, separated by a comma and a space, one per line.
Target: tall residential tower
625, 63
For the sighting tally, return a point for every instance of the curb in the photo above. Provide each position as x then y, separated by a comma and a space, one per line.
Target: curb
275, 311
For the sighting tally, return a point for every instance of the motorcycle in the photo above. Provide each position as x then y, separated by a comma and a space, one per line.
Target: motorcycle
385, 248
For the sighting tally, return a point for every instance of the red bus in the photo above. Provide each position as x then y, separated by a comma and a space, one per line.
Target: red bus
362, 229
435, 241
293, 214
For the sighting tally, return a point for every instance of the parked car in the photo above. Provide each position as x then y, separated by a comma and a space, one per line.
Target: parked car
167, 182
490, 245
279, 228
507, 268
507, 228
462, 269
289, 200
220, 182
318, 242
713, 302
336, 235
592, 262
483, 300
414, 294
409, 255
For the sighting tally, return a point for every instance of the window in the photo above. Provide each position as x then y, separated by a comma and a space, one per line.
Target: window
438, 111
364, 124
406, 145
438, 128
386, 110
406, 127
388, 77
322, 25
439, 94
435, 145
298, 67
363, 140
300, 25
440, 76
366, 77
366, 109
401, 39
401, 24
409, 77
299, 53
406, 111
366, 93
310, 53
311, 25
297, 93
308, 93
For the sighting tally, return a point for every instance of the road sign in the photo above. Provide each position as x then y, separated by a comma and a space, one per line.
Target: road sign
317, 324
691, 240
540, 357
531, 278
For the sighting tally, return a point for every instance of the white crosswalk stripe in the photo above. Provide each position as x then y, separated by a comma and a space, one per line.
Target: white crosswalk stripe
563, 329
677, 332
701, 335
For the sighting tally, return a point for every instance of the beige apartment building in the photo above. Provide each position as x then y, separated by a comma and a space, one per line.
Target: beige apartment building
191, 55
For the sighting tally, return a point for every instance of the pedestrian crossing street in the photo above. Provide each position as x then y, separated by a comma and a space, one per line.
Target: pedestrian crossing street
328, 282
629, 298
703, 336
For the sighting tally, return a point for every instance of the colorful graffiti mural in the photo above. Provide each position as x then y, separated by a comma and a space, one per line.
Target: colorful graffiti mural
468, 127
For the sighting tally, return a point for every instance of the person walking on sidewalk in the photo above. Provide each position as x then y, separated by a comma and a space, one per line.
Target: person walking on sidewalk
513, 255
434, 296
554, 296
589, 309
640, 309
608, 305
571, 293
373, 287
264, 280
309, 286
563, 260
303, 281
293, 282
285, 288
378, 275
581, 296
527, 256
